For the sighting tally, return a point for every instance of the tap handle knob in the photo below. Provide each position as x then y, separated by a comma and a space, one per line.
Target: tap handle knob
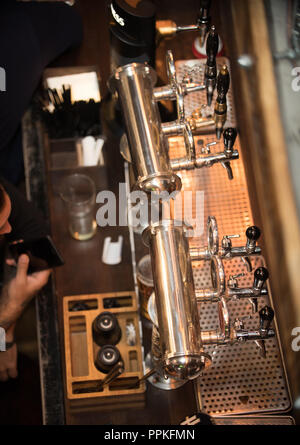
229, 137
212, 44
203, 15
266, 315
203, 20
261, 275
253, 233
223, 82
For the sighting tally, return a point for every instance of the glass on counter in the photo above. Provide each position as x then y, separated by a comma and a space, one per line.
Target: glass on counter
79, 195
145, 283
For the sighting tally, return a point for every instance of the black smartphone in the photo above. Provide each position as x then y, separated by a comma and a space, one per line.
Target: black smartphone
42, 253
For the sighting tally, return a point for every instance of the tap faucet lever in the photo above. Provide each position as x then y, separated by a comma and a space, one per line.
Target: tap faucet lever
266, 316
226, 242
223, 81
252, 234
206, 149
210, 74
261, 275
233, 282
229, 137
203, 19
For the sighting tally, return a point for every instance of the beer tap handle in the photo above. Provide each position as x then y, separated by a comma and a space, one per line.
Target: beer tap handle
266, 316
204, 10
203, 19
252, 234
229, 137
261, 275
223, 81
212, 44
210, 74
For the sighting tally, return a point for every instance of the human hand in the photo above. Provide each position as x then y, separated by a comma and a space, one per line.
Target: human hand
19, 291
8, 364
10, 261
23, 287
8, 359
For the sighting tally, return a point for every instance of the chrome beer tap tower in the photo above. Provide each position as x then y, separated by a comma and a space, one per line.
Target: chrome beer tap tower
178, 349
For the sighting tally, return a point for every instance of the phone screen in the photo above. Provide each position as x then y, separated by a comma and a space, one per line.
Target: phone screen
42, 253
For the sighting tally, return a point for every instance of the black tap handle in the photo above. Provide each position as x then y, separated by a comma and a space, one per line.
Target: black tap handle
212, 44
229, 137
204, 10
261, 275
253, 233
205, 4
223, 82
266, 315
203, 20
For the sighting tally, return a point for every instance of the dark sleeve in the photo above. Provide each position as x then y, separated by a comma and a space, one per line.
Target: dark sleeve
25, 220
32, 34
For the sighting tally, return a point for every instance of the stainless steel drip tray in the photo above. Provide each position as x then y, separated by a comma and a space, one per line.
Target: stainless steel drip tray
255, 420
240, 381
242, 420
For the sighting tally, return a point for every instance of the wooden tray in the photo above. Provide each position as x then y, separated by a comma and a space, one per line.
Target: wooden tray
82, 376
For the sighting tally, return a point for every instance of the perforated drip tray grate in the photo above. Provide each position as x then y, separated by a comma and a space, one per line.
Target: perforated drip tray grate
240, 381
195, 69
227, 200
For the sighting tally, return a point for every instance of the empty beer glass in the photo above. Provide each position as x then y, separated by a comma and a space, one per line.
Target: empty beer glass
79, 194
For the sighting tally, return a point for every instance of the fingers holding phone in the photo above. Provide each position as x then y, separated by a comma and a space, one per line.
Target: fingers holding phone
34, 261
42, 254
24, 286
37, 280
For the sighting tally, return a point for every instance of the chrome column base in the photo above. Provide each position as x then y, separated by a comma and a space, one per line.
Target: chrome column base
160, 382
